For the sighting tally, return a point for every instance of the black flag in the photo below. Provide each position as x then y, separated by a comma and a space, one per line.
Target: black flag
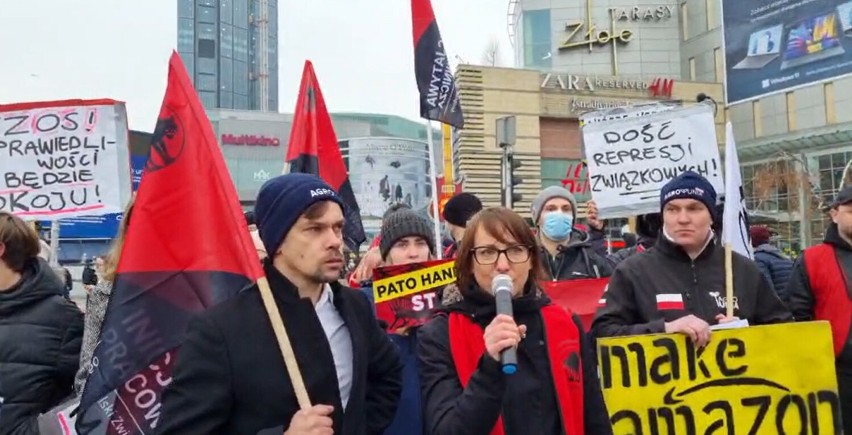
439, 96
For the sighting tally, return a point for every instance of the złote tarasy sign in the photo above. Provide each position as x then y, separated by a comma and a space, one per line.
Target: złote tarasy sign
777, 379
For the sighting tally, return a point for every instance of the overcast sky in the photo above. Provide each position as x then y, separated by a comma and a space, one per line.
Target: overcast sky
361, 50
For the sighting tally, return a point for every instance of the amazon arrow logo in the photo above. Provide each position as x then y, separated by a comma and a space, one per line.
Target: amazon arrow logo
673, 398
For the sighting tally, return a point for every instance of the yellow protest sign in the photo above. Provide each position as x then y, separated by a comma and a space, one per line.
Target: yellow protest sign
410, 283
776, 379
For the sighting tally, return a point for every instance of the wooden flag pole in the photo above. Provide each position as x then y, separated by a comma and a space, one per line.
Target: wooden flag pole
729, 281
284, 344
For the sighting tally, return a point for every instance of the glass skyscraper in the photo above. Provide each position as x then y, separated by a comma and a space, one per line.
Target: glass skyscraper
221, 43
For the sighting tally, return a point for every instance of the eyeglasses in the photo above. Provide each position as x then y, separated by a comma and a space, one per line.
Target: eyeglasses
488, 255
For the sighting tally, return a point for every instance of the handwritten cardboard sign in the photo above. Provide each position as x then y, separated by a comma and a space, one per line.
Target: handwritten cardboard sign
742, 382
61, 159
405, 296
580, 296
630, 159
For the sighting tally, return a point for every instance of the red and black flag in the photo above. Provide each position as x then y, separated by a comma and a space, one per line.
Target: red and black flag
187, 247
313, 149
439, 95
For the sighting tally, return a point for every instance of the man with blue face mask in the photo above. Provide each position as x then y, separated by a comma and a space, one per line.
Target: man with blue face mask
568, 251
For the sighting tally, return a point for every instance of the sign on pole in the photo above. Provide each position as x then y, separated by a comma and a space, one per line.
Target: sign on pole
61, 159
630, 160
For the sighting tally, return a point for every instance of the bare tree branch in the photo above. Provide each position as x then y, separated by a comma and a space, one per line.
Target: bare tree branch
491, 54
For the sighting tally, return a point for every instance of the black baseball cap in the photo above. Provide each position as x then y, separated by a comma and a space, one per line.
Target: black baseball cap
843, 197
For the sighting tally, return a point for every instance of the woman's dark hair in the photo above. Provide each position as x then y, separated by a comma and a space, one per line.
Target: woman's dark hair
504, 225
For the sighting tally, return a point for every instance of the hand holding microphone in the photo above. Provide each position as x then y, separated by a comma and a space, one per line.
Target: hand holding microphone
503, 334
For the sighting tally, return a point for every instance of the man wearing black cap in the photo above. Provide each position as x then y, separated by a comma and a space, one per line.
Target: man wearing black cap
230, 376
819, 290
457, 211
679, 286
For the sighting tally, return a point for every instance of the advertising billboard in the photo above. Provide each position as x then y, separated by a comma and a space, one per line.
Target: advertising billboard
774, 46
386, 171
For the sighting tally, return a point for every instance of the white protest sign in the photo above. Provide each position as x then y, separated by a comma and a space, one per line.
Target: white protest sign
61, 159
630, 160
626, 112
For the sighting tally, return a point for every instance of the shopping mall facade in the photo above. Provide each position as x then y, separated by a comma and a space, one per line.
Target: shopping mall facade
387, 156
795, 143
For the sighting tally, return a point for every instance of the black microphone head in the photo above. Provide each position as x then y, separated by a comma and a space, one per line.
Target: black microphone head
500, 283
701, 97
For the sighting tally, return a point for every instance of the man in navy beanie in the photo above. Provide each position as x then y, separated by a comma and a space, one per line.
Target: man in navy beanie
230, 376
679, 287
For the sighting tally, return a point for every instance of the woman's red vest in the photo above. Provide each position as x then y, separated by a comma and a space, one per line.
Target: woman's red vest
563, 346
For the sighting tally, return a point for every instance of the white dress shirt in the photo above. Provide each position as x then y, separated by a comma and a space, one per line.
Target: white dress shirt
339, 339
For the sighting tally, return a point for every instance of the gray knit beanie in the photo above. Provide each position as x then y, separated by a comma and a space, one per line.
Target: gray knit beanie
405, 223
548, 194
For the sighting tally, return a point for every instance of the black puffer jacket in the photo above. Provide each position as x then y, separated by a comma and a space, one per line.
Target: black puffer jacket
576, 259
40, 336
664, 284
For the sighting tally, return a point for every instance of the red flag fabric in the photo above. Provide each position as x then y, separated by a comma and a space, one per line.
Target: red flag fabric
580, 296
313, 149
187, 248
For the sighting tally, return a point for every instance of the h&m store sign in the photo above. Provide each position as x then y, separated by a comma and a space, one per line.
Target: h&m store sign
657, 87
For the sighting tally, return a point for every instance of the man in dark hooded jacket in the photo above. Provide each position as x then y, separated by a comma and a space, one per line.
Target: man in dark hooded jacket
819, 290
568, 252
40, 331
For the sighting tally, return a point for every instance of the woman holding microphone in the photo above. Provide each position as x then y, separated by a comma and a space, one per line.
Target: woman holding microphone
554, 389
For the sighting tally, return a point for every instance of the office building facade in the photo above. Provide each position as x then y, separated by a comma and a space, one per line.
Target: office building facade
794, 146
230, 48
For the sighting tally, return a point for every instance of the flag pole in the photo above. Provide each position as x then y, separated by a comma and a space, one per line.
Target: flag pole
284, 344
729, 280
436, 218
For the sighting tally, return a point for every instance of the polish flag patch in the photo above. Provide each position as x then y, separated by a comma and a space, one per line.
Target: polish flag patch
670, 302
601, 302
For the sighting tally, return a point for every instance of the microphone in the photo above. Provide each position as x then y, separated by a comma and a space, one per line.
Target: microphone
501, 286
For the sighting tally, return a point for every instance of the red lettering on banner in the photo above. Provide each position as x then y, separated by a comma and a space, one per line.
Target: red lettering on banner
576, 179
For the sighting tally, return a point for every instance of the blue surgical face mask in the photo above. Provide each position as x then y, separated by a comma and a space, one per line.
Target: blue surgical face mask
557, 226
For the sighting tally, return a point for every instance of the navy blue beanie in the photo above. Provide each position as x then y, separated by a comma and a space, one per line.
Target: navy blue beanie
282, 200
692, 186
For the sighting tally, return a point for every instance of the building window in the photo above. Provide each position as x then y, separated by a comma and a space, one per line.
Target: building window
226, 74
241, 102
208, 99
206, 14
537, 39
207, 48
226, 11
241, 13
692, 68
241, 78
240, 44
186, 35
227, 100
226, 41
185, 9
206, 82
207, 31
684, 27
